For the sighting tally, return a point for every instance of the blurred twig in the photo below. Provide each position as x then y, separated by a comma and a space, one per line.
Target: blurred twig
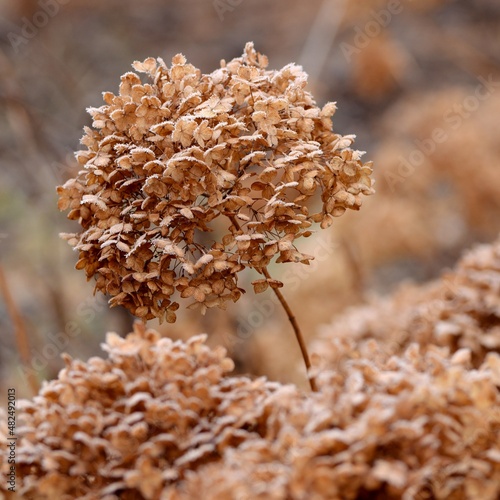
321, 37
28, 128
20, 331
355, 264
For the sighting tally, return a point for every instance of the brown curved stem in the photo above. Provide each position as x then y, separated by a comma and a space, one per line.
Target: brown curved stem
291, 318
296, 329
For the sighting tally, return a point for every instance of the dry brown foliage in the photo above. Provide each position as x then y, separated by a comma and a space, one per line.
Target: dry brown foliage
392, 420
460, 310
421, 425
162, 419
135, 422
241, 150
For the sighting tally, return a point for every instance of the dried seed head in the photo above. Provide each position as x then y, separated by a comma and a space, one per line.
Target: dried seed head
460, 310
164, 419
164, 159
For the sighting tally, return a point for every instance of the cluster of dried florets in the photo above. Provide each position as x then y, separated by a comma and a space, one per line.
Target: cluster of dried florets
460, 310
133, 423
414, 426
240, 151
162, 419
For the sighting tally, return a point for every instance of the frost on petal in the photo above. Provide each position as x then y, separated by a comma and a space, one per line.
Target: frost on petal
181, 165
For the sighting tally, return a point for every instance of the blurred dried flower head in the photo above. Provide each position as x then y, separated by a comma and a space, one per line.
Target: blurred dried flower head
132, 423
189, 178
459, 310
162, 419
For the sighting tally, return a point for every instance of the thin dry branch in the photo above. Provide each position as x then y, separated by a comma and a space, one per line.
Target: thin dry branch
20, 333
291, 318
296, 329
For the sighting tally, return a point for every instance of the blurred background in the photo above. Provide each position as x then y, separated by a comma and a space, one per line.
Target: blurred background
417, 82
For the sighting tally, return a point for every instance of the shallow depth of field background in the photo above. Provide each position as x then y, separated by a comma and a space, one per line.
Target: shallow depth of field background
417, 82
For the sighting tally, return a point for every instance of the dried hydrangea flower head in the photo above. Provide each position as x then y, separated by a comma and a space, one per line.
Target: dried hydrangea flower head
460, 310
168, 159
163, 419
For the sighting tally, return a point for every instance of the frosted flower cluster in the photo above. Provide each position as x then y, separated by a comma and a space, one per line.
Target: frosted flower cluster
163, 420
188, 178
459, 310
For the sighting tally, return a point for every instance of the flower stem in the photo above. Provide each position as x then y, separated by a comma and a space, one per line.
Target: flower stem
296, 329
291, 318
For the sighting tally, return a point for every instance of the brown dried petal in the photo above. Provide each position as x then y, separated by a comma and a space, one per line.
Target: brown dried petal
238, 153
